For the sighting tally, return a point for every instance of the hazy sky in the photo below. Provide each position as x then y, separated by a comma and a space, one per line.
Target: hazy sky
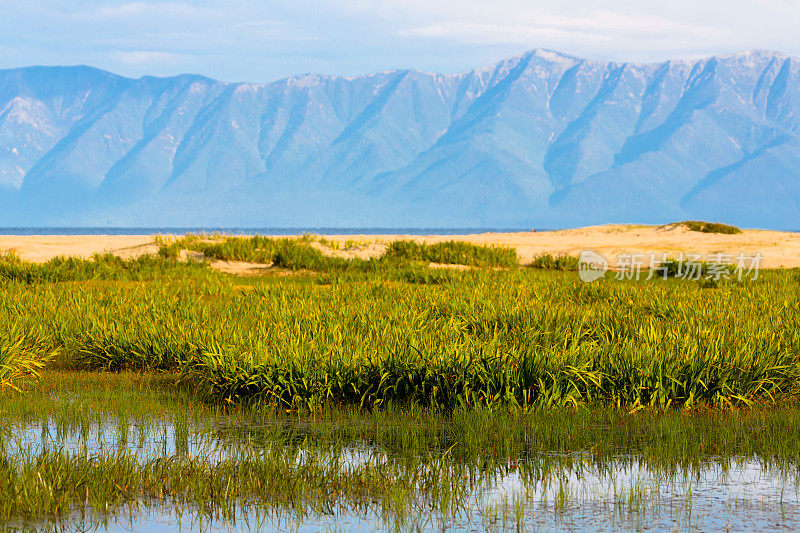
261, 40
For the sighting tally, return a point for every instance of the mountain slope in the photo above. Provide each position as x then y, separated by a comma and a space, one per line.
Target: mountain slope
542, 140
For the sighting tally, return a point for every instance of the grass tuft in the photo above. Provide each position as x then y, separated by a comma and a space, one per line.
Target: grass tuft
453, 253
555, 262
22, 356
710, 227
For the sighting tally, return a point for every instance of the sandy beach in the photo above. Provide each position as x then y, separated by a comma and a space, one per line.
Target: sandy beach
779, 249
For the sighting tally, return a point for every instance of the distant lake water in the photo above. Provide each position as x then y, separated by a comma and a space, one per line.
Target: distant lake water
269, 231
259, 231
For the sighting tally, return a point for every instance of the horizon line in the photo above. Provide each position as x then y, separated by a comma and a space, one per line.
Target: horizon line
529, 52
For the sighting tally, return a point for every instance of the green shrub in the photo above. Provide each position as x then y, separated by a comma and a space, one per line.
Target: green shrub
710, 227
555, 262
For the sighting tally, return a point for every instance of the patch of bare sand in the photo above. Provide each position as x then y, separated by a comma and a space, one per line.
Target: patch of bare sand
191, 255
363, 251
779, 249
449, 266
240, 268
41, 248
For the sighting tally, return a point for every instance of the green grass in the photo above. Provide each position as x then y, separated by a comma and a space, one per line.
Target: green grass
22, 355
710, 227
555, 262
521, 338
694, 270
99, 267
454, 253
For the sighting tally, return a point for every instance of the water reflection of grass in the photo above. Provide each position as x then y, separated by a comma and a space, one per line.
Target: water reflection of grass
394, 465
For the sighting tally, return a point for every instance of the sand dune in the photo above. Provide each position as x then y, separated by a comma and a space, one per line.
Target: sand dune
779, 249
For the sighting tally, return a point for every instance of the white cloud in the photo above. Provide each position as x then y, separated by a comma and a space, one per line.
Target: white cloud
613, 20
532, 25
147, 9
264, 39
496, 34
143, 57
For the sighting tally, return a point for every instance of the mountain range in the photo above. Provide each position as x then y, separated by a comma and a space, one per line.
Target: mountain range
539, 140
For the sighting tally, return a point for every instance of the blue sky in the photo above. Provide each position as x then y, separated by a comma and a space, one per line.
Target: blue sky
252, 40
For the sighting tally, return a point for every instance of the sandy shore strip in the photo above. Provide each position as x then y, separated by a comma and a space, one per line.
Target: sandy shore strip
40, 248
779, 249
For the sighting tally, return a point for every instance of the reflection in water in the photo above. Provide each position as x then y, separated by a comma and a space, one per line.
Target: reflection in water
552, 491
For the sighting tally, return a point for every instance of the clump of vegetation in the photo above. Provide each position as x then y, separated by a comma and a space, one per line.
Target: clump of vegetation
287, 252
22, 355
99, 266
555, 262
298, 253
348, 244
710, 227
709, 283
290, 253
695, 270
453, 253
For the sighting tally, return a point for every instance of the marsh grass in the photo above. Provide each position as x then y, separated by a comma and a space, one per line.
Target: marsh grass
54, 484
22, 356
398, 465
522, 338
80, 399
441, 383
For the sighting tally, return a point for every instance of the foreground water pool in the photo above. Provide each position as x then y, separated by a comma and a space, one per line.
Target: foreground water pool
429, 491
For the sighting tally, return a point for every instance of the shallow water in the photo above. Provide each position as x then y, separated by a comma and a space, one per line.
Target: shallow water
552, 491
743, 501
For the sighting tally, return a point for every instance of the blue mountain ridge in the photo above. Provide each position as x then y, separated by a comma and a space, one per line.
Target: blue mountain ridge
539, 140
